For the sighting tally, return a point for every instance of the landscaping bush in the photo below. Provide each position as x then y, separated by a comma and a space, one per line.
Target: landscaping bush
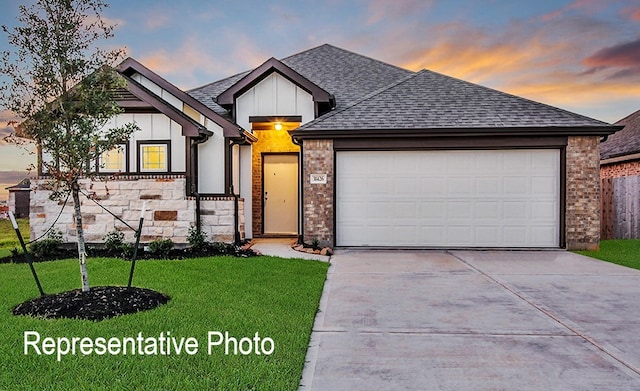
197, 240
161, 247
48, 247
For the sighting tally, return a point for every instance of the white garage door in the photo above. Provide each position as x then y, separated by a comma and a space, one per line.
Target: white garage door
479, 198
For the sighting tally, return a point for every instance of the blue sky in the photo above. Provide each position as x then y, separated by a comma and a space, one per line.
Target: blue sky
582, 55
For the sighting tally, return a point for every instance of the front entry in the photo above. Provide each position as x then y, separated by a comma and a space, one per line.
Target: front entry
280, 176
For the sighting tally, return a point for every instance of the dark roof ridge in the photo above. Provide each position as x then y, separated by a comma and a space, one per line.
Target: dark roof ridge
345, 51
637, 112
219, 80
364, 98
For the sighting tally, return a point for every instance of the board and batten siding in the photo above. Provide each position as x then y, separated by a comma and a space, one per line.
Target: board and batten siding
154, 127
211, 157
273, 96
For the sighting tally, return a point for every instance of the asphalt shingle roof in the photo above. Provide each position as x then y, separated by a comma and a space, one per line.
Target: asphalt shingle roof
348, 76
371, 94
429, 100
624, 142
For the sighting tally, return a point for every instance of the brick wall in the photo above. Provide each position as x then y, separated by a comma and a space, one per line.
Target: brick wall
583, 193
169, 213
318, 198
269, 141
621, 169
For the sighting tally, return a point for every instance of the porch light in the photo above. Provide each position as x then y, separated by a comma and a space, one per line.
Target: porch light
277, 126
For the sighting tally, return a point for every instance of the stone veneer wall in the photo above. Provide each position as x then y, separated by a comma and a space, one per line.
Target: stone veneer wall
169, 213
583, 193
616, 170
318, 158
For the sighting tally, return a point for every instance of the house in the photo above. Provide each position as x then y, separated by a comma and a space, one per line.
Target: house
620, 173
19, 196
333, 146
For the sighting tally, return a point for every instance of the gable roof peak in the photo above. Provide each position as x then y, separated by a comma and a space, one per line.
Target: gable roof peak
227, 98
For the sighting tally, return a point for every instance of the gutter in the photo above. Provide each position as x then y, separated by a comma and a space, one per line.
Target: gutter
619, 159
245, 138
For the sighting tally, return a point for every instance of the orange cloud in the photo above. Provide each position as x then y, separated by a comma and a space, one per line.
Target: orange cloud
180, 65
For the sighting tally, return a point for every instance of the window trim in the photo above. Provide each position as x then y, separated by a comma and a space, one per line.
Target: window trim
141, 143
125, 150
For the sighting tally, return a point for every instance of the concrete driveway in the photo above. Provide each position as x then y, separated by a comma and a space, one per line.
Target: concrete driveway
475, 320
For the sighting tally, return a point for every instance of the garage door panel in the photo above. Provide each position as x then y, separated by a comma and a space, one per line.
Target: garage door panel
448, 198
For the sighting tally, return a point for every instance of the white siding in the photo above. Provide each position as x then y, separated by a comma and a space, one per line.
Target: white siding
273, 96
211, 162
164, 94
154, 127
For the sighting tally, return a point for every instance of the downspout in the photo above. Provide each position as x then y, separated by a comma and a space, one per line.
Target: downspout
194, 178
300, 191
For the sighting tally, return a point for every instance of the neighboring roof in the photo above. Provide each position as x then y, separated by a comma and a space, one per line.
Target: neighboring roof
624, 142
445, 105
24, 184
130, 66
346, 75
228, 97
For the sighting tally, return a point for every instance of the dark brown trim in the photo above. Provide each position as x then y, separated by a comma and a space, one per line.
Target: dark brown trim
130, 66
563, 197
127, 158
227, 98
455, 132
386, 144
275, 118
189, 126
140, 143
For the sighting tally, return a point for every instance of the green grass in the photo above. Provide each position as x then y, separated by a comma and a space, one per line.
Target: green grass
624, 252
274, 297
8, 238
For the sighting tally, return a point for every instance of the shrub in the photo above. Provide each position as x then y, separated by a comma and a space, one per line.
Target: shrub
48, 247
197, 240
161, 247
114, 241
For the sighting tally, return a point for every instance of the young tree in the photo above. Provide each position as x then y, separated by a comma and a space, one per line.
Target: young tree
62, 85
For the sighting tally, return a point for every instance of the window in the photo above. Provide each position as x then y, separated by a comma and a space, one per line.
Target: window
114, 160
154, 157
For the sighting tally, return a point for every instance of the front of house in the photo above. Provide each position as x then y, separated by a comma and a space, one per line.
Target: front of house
333, 146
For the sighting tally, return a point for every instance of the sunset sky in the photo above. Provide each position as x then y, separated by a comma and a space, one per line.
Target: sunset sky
582, 55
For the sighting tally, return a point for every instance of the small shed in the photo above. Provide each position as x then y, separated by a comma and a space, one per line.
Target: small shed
19, 198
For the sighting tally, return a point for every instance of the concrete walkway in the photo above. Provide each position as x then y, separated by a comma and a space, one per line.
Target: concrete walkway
475, 320
282, 247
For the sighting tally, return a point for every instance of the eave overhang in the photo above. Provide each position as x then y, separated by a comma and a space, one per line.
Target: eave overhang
302, 134
228, 97
130, 66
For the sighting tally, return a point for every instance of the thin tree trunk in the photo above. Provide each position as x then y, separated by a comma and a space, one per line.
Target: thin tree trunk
82, 255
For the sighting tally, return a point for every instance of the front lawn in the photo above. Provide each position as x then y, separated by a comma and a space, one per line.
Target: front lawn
273, 297
624, 252
8, 238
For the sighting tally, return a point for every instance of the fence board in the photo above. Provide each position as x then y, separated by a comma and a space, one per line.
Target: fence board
607, 209
620, 208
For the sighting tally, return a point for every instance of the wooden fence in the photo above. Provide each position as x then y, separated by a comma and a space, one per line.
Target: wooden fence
620, 208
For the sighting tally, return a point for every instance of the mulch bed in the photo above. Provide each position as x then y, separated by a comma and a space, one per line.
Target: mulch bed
97, 304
